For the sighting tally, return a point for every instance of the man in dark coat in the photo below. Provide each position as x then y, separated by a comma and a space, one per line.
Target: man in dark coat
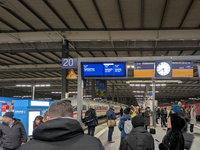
12, 132
111, 116
121, 111
147, 115
138, 138
94, 122
61, 132
163, 115
174, 139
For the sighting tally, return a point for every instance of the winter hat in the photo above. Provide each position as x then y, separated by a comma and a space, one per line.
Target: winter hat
176, 108
127, 110
138, 121
9, 114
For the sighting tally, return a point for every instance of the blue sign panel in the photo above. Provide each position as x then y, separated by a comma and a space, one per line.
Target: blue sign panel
92, 70
69, 63
144, 66
103, 69
182, 65
163, 69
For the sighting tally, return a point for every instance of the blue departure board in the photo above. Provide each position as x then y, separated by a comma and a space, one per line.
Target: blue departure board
104, 69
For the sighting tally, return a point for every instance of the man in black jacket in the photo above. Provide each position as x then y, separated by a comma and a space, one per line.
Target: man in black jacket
61, 132
121, 111
138, 138
12, 132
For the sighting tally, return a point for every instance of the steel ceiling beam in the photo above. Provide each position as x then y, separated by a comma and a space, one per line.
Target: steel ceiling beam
48, 57
103, 53
77, 13
56, 13
26, 58
14, 58
188, 9
194, 52
29, 50
19, 18
9, 25
37, 58
120, 12
97, 9
37, 15
91, 53
164, 13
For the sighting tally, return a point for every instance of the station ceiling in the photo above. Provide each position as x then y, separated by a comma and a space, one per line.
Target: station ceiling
31, 34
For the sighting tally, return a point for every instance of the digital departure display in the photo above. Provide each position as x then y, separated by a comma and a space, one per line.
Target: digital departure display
104, 69
182, 69
143, 69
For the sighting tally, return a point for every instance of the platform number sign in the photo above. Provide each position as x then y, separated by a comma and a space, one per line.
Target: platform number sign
69, 63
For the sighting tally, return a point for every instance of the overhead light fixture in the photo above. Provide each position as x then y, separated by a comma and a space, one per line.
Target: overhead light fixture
23, 85
156, 81
128, 66
42, 85
132, 66
56, 92
17, 96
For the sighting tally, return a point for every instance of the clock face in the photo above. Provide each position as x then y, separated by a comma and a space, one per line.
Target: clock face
163, 68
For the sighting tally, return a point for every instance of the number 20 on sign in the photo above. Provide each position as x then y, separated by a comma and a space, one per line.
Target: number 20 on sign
69, 63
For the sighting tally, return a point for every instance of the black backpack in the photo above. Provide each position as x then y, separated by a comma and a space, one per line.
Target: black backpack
88, 116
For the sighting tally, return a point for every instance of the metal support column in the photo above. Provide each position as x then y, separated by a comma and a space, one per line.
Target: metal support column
65, 54
113, 92
33, 92
93, 89
153, 92
80, 95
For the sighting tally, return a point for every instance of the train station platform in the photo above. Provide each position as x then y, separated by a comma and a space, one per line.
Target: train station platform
101, 132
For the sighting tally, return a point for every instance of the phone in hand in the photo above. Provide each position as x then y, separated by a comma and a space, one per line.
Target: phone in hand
117, 115
157, 141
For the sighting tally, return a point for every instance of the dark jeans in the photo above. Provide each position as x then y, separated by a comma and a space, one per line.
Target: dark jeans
191, 128
110, 132
4, 148
146, 127
163, 121
157, 120
91, 129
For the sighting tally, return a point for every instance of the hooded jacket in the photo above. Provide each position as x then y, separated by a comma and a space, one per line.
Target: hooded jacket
111, 114
94, 122
13, 137
174, 139
61, 134
138, 138
121, 124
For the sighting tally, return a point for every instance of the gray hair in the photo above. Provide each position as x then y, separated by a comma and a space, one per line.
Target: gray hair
61, 109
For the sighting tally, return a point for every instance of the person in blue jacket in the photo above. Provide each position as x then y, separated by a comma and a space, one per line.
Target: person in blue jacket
125, 117
111, 116
91, 125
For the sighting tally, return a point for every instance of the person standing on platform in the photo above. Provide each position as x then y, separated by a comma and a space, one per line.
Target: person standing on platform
12, 132
192, 118
182, 109
162, 114
124, 118
121, 111
38, 121
93, 122
61, 132
147, 115
112, 118
174, 139
133, 111
138, 138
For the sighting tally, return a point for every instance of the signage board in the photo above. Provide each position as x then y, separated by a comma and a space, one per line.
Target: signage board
71, 75
102, 69
143, 69
182, 69
69, 63
198, 68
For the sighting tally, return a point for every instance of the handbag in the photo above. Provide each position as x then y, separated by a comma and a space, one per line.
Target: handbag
188, 138
153, 130
112, 123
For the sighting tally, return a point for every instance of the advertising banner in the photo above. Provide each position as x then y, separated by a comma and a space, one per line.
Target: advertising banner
102, 87
97, 86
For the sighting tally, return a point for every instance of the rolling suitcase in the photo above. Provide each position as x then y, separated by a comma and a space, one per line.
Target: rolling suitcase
153, 130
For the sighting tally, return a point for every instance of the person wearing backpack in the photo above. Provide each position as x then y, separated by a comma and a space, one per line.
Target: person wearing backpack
123, 119
91, 120
138, 138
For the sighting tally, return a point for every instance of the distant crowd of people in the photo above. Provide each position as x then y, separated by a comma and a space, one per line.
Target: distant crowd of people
58, 129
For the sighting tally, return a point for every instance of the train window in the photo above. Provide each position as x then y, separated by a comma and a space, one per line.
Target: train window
75, 108
84, 107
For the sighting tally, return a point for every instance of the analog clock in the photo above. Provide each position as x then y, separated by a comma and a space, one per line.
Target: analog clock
163, 68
